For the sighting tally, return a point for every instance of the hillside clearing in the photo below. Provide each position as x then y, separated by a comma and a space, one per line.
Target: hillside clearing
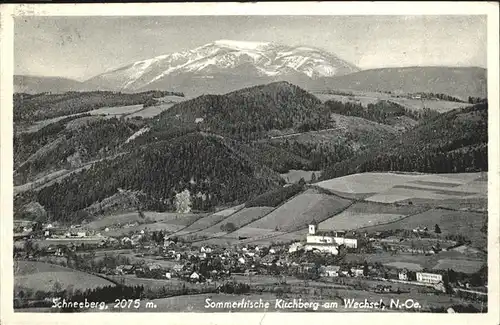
116, 110
355, 98
150, 111
293, 176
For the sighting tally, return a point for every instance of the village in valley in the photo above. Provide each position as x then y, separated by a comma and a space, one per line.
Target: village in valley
168, 264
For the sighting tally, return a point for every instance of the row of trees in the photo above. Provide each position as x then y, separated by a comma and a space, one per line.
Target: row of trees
477, 100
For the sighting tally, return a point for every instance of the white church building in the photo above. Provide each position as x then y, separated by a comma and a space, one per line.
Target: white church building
325, 241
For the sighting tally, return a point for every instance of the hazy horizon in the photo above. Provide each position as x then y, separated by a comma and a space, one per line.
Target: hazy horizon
82, 47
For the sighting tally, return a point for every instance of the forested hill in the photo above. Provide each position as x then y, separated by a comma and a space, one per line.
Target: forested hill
455, 141
249, 113
213, 172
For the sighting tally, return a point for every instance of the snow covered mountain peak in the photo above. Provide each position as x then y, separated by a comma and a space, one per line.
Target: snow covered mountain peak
244, 59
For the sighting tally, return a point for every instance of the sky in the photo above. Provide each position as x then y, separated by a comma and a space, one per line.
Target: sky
82, 47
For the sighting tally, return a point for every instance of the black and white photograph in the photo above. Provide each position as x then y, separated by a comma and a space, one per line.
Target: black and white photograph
334, 163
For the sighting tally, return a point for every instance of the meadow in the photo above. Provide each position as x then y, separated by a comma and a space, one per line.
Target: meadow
395, 187
450, 222
47, 277
301, 210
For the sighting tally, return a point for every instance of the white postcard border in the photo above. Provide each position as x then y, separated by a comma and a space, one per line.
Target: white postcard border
271, 8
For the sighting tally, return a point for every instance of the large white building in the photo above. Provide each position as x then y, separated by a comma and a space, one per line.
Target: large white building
431, 278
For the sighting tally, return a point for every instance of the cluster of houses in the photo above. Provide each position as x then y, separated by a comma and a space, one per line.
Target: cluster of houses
207, 264
203, 264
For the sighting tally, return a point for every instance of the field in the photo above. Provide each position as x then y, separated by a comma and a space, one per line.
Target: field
405, 265
348, 220
300, 211
201, 224
393, 187
366, 214
464, 266
152, 220
132, 280
43, 276
240, 218
447, 259
440, 106
450, 222
118, 219
229, 211
293, 176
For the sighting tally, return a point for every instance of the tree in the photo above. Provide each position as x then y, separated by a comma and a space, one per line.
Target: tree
437, 230
228, 227
183, 202
37, 227
57, 287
